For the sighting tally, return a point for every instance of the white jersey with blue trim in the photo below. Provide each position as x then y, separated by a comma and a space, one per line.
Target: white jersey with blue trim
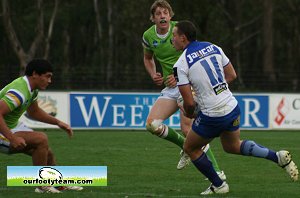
202, 65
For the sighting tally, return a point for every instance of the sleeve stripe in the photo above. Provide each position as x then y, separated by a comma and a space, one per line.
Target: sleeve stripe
13, 99
15, 96
145, 43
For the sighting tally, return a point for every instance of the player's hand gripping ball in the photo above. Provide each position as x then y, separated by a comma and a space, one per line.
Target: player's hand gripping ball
180, 105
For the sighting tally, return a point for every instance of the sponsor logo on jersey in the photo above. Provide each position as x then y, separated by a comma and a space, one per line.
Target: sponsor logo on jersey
220, 88
201, 53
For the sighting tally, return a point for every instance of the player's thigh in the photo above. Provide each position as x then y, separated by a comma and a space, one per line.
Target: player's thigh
231, 141
185, 123
33, 138
162, 109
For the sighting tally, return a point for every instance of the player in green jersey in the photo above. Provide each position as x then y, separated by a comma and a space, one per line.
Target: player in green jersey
157, 43
20, 96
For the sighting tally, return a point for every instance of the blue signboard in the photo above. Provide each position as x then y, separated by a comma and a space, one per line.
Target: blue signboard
254, 111
113, 110
130, 110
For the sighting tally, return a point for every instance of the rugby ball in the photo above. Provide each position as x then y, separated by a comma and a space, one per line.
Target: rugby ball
180, 104
50, 173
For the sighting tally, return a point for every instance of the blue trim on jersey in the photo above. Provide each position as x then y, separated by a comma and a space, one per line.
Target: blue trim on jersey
211, 127
184, 84
196, 51
209, 72
217, 68
226, 64
17, 95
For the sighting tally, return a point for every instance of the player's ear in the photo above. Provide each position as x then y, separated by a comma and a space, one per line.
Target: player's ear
183, 37
34, 74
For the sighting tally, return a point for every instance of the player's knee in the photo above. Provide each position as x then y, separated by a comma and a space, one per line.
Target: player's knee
154, 126
193, 150
42, 139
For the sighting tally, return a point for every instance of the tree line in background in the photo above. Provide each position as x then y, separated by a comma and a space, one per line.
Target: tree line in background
96, 44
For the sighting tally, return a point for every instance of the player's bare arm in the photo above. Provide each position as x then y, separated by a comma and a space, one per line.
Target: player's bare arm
35, 112
189, 103
16, 142
230, 74
39, 114
65, 127
151, 68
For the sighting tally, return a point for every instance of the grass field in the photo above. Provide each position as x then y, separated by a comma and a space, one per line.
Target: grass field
142, 165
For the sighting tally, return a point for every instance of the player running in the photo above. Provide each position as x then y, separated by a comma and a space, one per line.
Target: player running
157, 43
205, 67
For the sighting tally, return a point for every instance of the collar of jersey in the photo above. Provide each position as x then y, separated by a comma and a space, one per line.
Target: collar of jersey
28, 84
190, 44
164, 35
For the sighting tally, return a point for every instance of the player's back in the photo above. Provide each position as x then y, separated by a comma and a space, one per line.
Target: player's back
205, 62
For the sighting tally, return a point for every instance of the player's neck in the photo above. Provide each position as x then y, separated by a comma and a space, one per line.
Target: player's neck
31, 83
162, 31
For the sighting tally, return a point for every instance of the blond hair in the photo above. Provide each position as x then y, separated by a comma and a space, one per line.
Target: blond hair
162, 4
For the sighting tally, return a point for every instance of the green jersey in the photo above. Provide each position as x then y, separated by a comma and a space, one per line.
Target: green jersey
18, 96
162, 48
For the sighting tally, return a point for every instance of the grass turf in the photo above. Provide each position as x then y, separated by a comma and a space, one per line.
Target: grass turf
142, 165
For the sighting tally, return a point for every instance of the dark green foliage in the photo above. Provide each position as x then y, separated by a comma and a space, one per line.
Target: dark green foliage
84, 60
